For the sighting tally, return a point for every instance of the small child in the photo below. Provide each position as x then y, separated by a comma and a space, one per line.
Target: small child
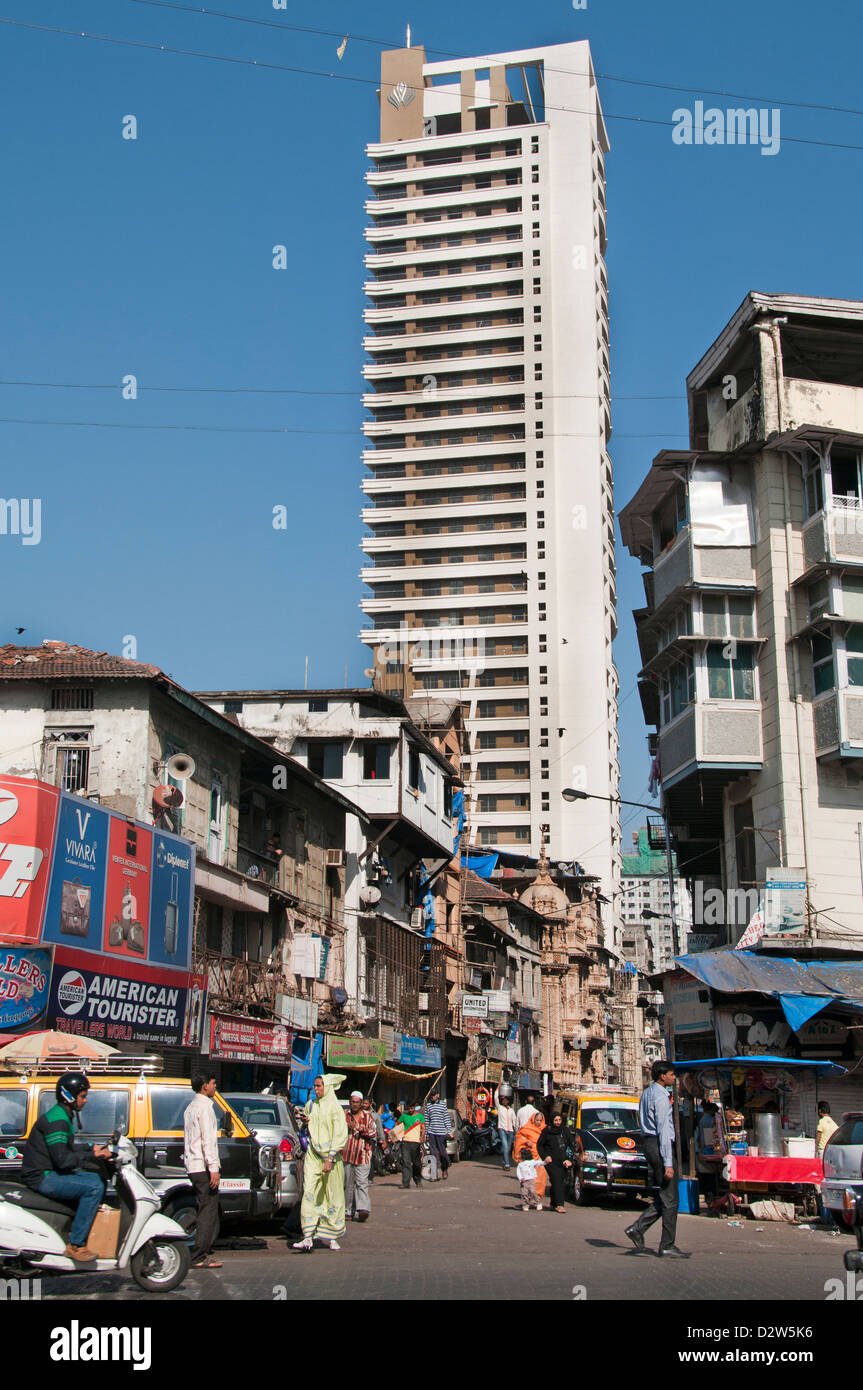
526, 1174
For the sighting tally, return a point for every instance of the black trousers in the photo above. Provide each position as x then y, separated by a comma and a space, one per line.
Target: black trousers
556, 1179
437, 1144
412, 1164
207, 1202
664, 1206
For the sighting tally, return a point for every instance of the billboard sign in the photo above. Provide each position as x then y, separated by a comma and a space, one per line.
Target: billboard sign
119, 887
28, 815
119, 1001
25, 978
76, 902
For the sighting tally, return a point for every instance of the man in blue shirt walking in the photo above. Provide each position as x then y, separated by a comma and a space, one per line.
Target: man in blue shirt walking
656, 1119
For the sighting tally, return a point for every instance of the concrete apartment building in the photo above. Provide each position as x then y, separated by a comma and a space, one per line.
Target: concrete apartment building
362, 743
752, 632
269, 835
489, 555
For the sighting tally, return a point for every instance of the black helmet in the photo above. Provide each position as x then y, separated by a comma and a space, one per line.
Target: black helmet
70, 1086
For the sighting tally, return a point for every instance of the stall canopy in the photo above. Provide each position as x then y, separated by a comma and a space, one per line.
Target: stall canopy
757, 1060
803, 987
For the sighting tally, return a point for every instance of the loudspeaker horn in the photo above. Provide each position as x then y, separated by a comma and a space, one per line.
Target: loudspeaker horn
180, 766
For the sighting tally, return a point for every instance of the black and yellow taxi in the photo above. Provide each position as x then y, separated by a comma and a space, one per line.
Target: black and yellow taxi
149, 1108
610, 1160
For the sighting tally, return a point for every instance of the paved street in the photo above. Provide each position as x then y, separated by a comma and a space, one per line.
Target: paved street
468, 1239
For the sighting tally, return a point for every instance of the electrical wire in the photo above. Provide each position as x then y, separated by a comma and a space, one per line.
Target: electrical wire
294, 429
300, 391
461, 57
348, 77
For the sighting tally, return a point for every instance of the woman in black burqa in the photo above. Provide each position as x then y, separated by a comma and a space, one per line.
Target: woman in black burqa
553, 1146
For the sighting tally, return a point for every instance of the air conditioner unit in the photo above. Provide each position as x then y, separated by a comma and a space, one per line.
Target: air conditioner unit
417, 918
424, 1026
423, 1001
335, 858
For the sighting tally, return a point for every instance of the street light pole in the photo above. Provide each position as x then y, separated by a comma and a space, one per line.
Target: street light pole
570, 794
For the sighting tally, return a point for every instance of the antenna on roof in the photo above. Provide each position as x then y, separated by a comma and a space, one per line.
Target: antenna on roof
409, 37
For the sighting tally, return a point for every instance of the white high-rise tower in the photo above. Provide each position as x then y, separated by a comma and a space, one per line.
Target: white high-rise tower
490, 557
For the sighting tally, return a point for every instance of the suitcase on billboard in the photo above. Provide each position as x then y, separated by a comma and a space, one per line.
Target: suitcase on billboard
75, 909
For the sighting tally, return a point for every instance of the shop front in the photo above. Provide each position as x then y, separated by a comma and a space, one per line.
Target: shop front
396, 1067
762, 1131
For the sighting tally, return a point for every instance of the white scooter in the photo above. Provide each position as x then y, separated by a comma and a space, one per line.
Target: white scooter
34, 1229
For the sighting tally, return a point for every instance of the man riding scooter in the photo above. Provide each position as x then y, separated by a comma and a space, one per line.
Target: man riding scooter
51, 1165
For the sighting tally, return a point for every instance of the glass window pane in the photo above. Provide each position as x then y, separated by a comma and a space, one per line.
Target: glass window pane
718, 674
740, 614
855, 670
713, 611
744, 674
854, 637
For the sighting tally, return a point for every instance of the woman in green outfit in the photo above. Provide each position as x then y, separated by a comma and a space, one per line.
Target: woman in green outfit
322, 1212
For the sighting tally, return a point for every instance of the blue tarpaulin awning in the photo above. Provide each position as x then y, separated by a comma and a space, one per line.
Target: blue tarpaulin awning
799, 1008
803, 987
758, 1061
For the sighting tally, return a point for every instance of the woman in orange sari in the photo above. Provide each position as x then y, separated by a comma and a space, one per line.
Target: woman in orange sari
526, 1138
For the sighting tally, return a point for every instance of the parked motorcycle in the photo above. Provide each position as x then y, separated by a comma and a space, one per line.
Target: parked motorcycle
481, 1139
386, 1158
34, 1230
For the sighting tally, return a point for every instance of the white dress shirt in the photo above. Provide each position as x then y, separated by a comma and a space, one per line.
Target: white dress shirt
201, 1136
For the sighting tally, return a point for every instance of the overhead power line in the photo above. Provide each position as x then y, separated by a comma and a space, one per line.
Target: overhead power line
290, 429
294, 391
462, 57
349, 77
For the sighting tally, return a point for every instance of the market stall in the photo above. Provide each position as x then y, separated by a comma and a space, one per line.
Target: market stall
764, 1126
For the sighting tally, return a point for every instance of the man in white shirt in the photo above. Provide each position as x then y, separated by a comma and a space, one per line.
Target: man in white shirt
201, 1158
506, 1128
525, 1111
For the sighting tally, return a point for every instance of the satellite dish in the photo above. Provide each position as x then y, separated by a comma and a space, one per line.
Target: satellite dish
168, 798
181, 767
369, 673
370, 895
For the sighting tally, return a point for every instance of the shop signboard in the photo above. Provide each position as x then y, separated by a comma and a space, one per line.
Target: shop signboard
416, 1052
525, 1015
784, 902
493, 1071
701, 941
513, 1051
119, 1001
498, 1000
687, 1004
471, 1025
25, 979
821, 1037
474, 1005
28, 815
387, 1034
354, 1052
247, 1040
496, 1049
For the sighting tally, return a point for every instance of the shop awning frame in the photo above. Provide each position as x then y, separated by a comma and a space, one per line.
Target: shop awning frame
732, 1063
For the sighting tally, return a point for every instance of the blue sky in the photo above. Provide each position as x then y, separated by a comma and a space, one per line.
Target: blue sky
154, 257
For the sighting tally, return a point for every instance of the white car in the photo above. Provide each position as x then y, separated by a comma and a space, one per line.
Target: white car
843, 1163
